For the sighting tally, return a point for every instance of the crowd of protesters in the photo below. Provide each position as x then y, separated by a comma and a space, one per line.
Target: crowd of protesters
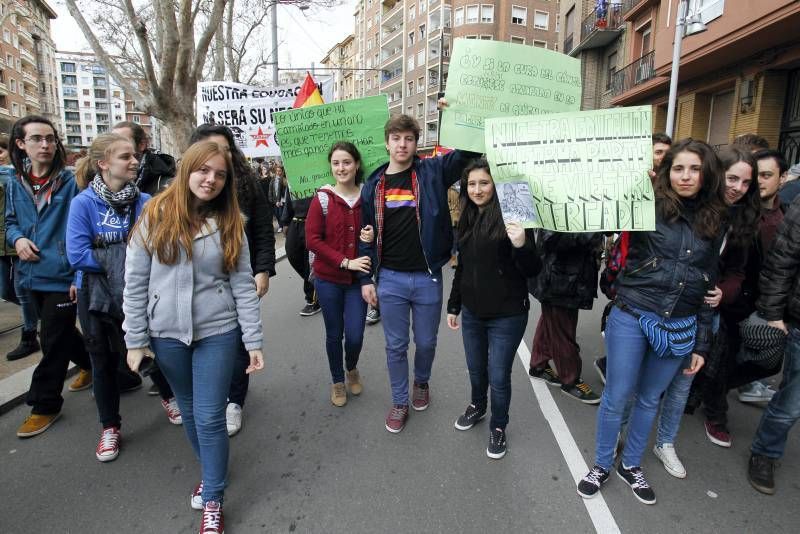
163, 265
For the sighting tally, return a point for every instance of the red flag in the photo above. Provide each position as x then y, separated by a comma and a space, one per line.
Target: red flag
309, 94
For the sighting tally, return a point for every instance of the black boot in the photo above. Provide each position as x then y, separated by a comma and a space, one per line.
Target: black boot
761, 473
27, 346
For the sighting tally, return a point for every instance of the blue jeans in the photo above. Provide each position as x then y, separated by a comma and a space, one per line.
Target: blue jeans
672, 406
490, 346
783, 410
409, 299
632, 370
344, 313
200, 376
30, 318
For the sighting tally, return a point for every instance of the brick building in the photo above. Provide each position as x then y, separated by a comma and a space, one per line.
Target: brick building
741, 75
28, 83
403, 46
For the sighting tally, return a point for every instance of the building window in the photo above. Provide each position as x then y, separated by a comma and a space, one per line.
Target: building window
72, 116
420, 84
517, 40
410, 90
410, 63
541, 20
458, 17
74, 140
421, 57
7, 35
472, 14
15, 109
68, 67
519, 15
12, 85
540, 44
411, 39
10, 60
487, 13
420, 109
644, 36
70, 91
422, 6
100, 93
486, 37
611, 68
86, 116
422, 32
412, 12
68, 79
87, 92
4, 102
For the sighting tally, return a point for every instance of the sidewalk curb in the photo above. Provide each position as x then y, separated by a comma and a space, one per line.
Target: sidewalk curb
14, 387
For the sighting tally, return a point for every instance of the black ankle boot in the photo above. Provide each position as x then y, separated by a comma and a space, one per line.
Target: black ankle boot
27, 346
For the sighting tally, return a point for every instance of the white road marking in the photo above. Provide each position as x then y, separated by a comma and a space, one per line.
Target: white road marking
599, 512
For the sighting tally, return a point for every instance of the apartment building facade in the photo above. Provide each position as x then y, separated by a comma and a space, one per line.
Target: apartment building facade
27, 62
403, 46
92, 101
340, 62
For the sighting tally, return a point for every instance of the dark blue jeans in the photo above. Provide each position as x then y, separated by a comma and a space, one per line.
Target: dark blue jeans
200, 376
490, 346
783, 410
409, 299
344, 313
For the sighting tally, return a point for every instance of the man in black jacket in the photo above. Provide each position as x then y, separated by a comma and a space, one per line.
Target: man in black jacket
156, 170
779, 304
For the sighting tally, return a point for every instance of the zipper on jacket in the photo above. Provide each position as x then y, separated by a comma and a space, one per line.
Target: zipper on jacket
650, 263
419, 225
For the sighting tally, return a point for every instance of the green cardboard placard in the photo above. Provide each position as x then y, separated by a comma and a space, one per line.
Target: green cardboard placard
306, 136
574, 172
497, 79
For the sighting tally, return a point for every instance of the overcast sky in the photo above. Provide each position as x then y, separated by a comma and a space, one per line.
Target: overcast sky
304, 37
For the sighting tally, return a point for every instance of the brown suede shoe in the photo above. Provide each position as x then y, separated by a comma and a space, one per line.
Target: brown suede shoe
354, 382
82, 381
36, 424
338, 394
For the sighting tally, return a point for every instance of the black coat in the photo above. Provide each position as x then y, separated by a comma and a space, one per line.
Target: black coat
780, 275
570, 263
156, 171
669, 271
490, 279
258, 225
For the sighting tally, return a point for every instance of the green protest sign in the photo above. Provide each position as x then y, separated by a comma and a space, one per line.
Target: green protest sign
497, 79
306, 136
574, 172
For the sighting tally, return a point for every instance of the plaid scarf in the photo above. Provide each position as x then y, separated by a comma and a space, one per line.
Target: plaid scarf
120, 200
380, 205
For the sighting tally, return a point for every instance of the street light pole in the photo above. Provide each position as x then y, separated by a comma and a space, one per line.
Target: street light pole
682, 22
274, 27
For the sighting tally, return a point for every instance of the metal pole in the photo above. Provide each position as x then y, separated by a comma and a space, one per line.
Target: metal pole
441, 84
680, 22
274, 24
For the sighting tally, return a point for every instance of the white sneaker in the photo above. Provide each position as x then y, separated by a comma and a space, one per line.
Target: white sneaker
666, 453
756, 392
233, 418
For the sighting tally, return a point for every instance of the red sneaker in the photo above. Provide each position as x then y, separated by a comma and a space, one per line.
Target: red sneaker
108, 447
396, 420
420, 397
173, 412
212, 522
718, 434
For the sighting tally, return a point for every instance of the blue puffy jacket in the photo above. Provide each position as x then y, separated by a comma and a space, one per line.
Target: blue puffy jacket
46, 228
434, 177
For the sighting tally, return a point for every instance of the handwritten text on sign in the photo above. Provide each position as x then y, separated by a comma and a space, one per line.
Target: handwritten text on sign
575, 172
307, 135
496, 79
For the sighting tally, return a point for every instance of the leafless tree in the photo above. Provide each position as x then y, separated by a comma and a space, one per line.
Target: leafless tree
158, 50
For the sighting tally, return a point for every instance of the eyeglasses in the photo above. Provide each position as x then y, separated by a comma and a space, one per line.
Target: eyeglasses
37, 139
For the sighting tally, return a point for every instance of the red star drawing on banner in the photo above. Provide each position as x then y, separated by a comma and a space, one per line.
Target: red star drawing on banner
261, 138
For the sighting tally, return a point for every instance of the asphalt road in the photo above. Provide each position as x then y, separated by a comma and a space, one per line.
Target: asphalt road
302, 465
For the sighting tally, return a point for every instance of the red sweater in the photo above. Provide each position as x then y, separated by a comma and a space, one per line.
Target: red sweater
333, 237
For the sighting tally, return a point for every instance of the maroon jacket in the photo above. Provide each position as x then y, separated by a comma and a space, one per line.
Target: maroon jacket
333, 237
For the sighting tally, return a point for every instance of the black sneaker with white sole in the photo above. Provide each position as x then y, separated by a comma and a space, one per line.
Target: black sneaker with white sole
634, 477
311, 308
581, 391
590, 484
471, 415
545, 373
497, 444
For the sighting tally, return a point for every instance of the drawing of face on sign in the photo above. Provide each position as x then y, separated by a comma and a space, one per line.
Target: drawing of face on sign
516, 202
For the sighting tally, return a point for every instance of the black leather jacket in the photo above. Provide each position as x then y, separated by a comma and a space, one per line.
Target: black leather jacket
669, 271
780, 274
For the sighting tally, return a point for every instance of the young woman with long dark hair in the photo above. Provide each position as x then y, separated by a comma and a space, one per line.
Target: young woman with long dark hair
660, 322
190, 294
490, 292
332, 232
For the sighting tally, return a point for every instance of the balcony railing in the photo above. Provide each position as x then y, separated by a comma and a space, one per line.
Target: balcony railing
633, 74
389, 76
600, 27
27, 55
568, 42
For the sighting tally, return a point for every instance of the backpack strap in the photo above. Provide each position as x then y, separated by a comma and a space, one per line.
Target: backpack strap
323, 202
